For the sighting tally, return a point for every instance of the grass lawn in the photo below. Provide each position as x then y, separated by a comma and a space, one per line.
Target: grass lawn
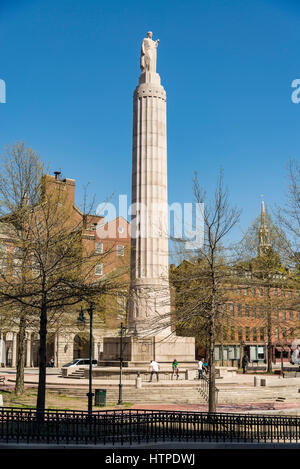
53, 401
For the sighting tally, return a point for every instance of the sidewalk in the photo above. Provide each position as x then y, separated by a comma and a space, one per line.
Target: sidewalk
236, 393
238, 381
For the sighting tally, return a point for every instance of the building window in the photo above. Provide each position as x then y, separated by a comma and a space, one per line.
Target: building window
254, 334
99, 248
247, 334
2, 266
275, 293
261, 292
282, 293
240, 333
253, 290
246, 291
99, 269
247, 314
3, 258
254, 311
231, 309
17, 261
261, 314
262, 333
291, 315
276, 315
283, 315
276, 333
232, 333
239, 310
290, 294
120, 250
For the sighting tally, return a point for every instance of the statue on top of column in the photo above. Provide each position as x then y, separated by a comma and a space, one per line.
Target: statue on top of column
148, 54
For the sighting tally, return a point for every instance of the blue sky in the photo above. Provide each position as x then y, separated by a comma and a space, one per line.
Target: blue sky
71, 66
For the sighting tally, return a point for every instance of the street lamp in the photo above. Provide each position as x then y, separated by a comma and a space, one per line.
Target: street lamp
122, 329
81, 320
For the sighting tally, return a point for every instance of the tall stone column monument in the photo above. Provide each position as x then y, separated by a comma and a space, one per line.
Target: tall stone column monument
149, 333
149, 288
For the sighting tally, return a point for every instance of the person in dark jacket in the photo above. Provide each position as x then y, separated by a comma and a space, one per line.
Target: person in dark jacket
245, 362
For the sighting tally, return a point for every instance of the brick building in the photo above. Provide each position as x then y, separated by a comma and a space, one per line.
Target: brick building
245, 327
255, 309
67, 341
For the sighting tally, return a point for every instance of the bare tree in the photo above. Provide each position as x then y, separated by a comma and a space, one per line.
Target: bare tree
21, 171
289, 215
200, 293
53, 267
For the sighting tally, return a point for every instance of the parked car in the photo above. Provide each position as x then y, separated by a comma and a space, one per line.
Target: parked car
68, 368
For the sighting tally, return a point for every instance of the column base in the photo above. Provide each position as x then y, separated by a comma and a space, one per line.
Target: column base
143, 349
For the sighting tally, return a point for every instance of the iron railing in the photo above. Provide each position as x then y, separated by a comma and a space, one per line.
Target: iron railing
204, 388
141, 426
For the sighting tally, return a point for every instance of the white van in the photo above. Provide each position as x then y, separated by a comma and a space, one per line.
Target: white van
76, 365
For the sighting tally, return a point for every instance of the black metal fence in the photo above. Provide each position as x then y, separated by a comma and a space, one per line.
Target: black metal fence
141, 426
204, 388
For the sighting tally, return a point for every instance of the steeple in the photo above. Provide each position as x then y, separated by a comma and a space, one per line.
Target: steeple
264, 243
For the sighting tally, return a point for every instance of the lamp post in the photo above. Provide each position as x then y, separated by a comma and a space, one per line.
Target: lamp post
122, 329
81, 319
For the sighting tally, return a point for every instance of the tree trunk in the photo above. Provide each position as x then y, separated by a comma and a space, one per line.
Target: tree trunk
241, 355
222, 350
19, 387
212, 370
269, 332
41, 397
270, 367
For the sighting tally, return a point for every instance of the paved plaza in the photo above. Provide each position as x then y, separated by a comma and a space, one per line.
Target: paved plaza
237, 393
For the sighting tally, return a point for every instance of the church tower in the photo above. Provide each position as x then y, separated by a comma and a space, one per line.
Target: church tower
264, 243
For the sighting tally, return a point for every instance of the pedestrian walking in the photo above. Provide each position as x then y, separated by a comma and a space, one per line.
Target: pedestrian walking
154, 366
200, 368
245, 362
175, 370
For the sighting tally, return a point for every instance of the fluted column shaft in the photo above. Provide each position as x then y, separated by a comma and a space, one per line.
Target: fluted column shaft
149, 249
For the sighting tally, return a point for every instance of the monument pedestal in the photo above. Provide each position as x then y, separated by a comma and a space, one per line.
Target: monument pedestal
140, 350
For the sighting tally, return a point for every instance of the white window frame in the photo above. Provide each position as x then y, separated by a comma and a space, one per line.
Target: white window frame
100, 267
120, 252
99, 247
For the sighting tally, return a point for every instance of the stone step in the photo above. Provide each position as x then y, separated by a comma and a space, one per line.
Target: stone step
78, 374
147, 395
